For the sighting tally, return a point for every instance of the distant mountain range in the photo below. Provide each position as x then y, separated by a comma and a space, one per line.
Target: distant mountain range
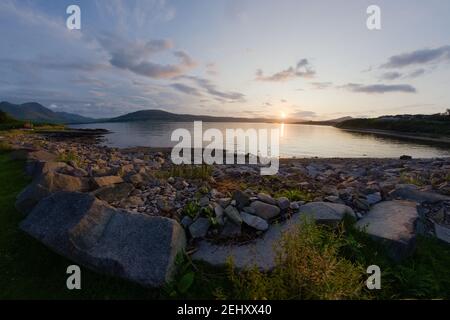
35, 112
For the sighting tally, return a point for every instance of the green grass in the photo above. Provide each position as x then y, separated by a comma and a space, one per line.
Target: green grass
29, 270
295, 195
69, 157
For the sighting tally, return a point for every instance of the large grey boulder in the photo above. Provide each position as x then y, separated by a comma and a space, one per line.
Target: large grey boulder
87, 231
412, 192
260, 252
326, 212
392, 223
37, 168
442, 232
46, 184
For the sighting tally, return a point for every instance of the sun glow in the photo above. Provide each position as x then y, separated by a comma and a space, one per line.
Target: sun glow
283, 115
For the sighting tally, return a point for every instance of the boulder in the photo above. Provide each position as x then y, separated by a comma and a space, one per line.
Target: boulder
116, 192
373, 198
242, 199
442, 232
199, 228
254, 221
265, 210
283, 203
266, 198
106, 181
392, 223
42, 155
87, 231
37, 168
326, 212
260, 252
47, 184
412, 192
233, 214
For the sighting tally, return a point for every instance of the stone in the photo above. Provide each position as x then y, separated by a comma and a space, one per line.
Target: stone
412, 192
116, 192
373, 198
266, 198
392, 223
218, 211
204, 201
224, 202
136, 179
233, 214
334, 199
135, 201
264, 210
242, 199
42, 155
249, 210
106, 181
260, 252
199, 228
283, 203
45, 185
361, 204
186, 221
87, 231
36, 169
442, 232
254, 221
326, 212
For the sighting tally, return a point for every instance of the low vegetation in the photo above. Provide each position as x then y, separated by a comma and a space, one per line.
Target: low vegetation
296, 195
437, 124
203, 172
69, 156
308, 266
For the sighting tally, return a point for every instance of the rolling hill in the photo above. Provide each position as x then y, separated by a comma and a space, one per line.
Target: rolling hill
35, 112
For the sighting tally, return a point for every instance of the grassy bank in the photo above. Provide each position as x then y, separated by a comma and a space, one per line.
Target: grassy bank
431, 125
28, 270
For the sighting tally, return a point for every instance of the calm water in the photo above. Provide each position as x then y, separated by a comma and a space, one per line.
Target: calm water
296, 140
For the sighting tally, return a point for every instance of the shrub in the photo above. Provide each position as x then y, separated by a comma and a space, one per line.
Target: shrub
307, 266
69, 157
202, 172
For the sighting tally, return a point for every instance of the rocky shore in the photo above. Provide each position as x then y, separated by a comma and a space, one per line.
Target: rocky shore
130, 212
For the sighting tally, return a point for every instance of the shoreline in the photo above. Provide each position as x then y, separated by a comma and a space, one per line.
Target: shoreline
399, 135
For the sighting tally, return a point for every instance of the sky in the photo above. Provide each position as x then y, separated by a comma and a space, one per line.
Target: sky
311, 60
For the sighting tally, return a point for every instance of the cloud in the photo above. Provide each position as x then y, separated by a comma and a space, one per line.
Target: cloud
423, 56
391, 75
134, 56
379, 88
321, 85
186, 89
301, 70
211, 89
417, 73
